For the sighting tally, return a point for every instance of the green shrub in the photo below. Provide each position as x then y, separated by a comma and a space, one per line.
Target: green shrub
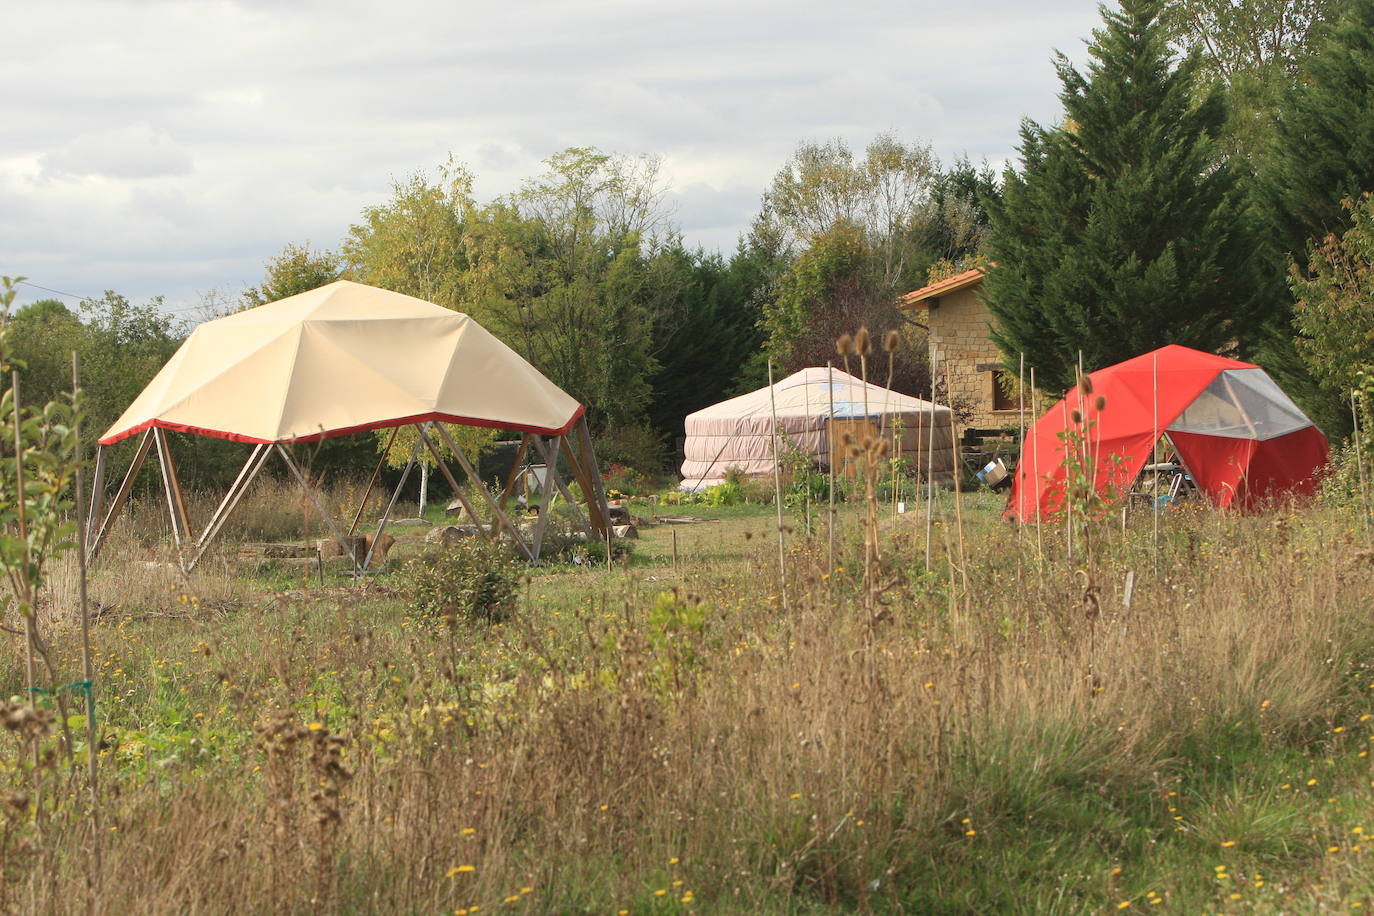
474, 578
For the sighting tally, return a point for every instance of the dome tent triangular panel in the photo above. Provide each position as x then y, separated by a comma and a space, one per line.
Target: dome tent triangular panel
340, 359
1241, 438
738, 433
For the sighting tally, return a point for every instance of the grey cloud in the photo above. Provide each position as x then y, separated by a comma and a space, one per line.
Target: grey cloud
135, 151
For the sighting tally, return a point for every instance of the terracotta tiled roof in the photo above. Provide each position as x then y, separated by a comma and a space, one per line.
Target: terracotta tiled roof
915, 298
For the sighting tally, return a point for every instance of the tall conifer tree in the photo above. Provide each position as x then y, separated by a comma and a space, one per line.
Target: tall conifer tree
1125, 228
1324, 147
1322, 154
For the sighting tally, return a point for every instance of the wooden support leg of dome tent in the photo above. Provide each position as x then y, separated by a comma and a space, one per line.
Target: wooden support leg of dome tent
390, 507
97, 497
459, 491
516, 467
328, 519
497, 512
550, 456
256, 459
121, 497
584, 439
599, 522
372, 481
171, 488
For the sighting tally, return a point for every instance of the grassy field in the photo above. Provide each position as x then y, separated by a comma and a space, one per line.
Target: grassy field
994, 732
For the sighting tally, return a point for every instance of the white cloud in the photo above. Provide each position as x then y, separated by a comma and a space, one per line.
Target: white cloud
135, 151
172, 147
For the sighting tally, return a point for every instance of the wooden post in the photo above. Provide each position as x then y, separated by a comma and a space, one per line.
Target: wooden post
121, 497
777, 489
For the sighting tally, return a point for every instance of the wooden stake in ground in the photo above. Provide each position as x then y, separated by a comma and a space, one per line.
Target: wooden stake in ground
1035, 473
930, 463
777, 491
87, 667
1021, 434
958, 492
1358, 435
830, 458
1154, 446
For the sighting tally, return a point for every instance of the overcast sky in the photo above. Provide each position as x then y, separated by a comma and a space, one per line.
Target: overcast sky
170, 148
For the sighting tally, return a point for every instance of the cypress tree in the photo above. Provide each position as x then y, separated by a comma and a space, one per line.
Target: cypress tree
1322, 154
1125, 228
1324, 139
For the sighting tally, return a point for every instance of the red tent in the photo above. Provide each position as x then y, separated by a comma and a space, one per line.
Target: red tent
1237, 434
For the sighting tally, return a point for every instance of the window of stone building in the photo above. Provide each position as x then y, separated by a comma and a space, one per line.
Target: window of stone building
1001, 400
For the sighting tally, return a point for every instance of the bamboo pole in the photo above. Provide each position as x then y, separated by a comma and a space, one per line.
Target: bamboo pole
1359, 460
930, 461
1035, 472
958, 492
1021, 436
830, 458
1154, 445
87, 664
777, 491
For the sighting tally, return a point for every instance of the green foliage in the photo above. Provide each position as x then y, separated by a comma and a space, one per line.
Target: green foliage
1255, 48
559, 271
474, 578
851, 235
1322, 154
298, 269
1324, 148
413, 244
126, 345
1125, 229
1335, 310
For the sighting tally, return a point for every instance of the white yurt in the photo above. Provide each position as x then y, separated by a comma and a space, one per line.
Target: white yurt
814, 408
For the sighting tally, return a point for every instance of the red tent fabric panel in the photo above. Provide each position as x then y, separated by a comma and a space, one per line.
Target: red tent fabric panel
1144, 396
1244, 472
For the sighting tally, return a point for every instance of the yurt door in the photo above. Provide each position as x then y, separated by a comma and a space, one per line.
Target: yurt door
840, 433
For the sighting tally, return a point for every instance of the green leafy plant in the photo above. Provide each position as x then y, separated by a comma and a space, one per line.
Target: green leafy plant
474, 578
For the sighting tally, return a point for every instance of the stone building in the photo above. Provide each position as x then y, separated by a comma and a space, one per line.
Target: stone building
960, 345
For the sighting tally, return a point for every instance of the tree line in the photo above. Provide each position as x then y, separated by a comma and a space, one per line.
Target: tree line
1205, 185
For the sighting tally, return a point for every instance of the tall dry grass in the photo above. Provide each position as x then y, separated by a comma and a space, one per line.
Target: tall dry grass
997, 747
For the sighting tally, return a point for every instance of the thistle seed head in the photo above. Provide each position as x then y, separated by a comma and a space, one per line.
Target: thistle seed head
863, 342
1075, 416
1085, 384
844, 344
1100, 404
891, 341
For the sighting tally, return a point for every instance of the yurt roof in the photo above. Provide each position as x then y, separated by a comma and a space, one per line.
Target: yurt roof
809, 392
340, 359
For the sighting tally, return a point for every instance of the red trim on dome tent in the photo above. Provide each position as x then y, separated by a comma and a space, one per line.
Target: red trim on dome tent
347, 431
1240, 469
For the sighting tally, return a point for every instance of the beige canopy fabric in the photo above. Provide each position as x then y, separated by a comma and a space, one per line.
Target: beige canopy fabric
341, 359
738, 433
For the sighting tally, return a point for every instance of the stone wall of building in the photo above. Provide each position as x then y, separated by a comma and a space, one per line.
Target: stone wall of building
960, 344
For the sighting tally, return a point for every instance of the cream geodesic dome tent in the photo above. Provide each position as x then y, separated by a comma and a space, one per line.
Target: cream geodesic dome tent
337, 360
814, 408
